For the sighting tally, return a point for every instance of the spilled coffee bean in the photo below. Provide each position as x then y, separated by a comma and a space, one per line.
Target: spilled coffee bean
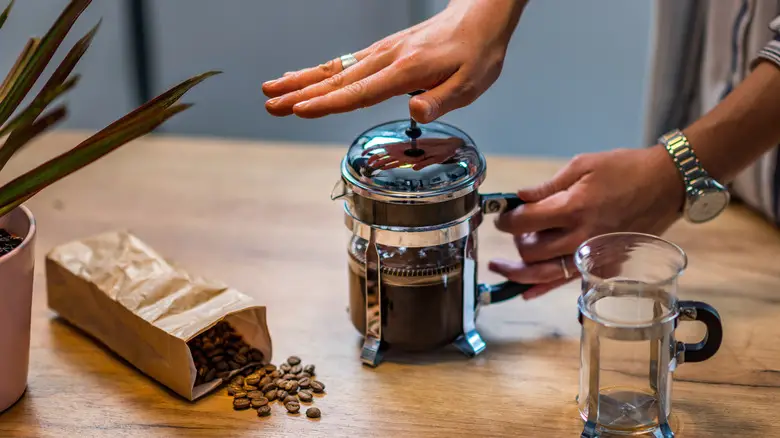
258, 386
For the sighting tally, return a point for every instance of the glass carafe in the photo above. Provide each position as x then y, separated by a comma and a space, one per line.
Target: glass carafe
629, 311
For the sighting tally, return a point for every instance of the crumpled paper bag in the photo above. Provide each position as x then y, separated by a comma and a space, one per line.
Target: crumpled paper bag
120, 291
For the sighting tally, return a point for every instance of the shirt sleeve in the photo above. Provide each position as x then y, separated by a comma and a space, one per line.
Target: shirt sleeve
771, 52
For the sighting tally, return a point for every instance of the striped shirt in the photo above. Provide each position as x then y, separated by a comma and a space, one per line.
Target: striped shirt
712, 47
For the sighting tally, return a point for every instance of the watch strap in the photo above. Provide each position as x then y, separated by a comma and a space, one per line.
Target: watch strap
684, 158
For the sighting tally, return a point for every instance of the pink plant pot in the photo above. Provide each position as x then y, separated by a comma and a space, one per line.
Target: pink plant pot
16, 289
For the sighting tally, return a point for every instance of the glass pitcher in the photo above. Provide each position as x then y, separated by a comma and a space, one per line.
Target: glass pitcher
629, 312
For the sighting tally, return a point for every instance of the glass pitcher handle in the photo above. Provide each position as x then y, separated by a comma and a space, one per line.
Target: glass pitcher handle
707, 347
495, 293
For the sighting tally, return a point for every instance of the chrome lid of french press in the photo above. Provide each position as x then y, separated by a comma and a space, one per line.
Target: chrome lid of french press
402, 162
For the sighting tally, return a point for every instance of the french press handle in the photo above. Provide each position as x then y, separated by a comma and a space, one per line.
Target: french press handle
497, 203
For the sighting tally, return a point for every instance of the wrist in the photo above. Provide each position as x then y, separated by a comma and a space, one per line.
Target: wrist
671, 186
494, 20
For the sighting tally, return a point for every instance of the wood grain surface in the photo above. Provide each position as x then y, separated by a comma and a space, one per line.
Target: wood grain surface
258, 216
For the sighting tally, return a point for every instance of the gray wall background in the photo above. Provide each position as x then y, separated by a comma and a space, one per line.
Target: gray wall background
574, 81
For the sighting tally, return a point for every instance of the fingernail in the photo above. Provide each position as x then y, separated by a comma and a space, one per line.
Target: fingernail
301, 105
274, 101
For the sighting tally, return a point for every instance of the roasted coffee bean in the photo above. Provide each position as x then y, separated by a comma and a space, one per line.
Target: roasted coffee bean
313, 412
202, 371
253, 379
304, 383
256, 355
244, 350
271, 395
275, 374
296, 369
281, 394
278, 382
270, 386
233, 365
288, 376
305, 396
292, 387
293, 360
222, 366
264, 411
309, 369
302, 375
257, 402
208, 346
292, 407
254, 394
237, 380
317, 386
290, 398
241, 403
248, 387
240, 394
210, 375
233, 389
230, 352
240, 359
270, 368
217, 358
264, 381
215, 352
285, 368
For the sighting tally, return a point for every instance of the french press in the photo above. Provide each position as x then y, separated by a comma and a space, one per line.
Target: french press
413, 208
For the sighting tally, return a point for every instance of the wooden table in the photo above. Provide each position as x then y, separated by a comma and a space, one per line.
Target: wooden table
258, 216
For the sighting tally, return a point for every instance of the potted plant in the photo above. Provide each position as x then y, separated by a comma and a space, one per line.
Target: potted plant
18, 126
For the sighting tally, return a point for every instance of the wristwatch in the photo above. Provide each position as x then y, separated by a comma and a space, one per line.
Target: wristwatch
705, 198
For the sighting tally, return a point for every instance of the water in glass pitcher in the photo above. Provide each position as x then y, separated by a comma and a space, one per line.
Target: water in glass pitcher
628, 367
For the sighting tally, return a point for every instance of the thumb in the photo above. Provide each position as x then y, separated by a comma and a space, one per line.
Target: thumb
561, 181
454, 93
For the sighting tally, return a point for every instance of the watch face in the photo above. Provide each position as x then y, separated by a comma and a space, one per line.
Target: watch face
708, 205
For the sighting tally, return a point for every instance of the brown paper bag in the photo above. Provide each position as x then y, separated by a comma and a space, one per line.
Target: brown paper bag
120, 291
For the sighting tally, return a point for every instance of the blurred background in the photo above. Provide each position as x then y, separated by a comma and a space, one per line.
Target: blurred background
569, 84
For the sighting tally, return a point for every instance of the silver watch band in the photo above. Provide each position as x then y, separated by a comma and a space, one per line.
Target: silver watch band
682, 154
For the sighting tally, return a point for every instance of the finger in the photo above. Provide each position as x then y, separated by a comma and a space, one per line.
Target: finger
547, 244
296, 80
456, 92
378, 87
283, 105
562, 180
520, 272
549, 213
541, 289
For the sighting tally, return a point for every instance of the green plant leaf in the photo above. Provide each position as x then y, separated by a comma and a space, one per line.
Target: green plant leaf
41, 57
24, 134
165, 99
4, 14
38, 105
16, 70
99, 145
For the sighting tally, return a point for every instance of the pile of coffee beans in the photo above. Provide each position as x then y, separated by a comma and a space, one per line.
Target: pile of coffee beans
8, 242
219, 351
289, 384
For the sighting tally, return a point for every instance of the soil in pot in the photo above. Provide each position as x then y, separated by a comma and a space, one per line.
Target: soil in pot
8, 242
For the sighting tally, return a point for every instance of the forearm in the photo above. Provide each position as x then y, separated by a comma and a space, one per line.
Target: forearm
742, 127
